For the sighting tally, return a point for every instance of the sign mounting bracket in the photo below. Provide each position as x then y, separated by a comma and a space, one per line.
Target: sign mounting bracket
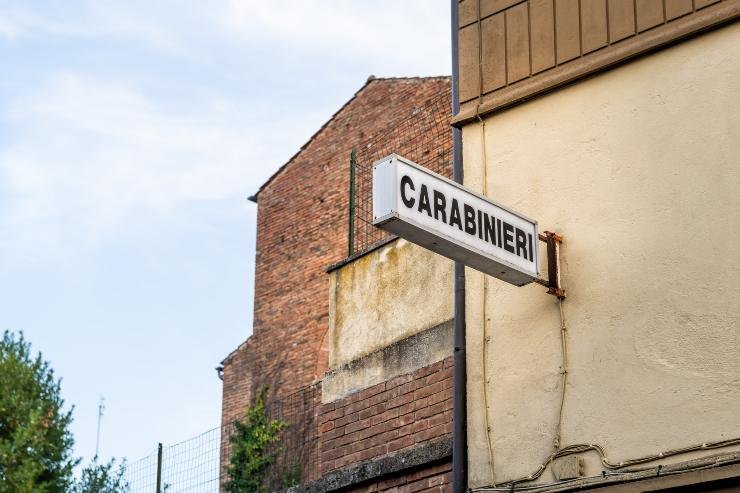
552, 283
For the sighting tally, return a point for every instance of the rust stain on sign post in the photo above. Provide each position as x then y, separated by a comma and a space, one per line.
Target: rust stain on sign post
552, 283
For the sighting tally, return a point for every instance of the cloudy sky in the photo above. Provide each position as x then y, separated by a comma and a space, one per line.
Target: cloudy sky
131, 133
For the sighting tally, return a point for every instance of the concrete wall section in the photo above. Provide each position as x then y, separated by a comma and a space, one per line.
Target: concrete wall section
386, 296
409, 354
639, 169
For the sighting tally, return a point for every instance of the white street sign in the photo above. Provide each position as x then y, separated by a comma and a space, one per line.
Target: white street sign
445, 217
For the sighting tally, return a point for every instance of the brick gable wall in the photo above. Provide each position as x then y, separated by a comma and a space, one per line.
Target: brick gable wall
301, 229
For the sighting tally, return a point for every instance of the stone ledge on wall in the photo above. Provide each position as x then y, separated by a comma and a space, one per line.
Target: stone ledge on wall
428, 453
409, 354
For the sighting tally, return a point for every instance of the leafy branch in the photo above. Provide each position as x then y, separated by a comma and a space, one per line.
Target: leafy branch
251, 451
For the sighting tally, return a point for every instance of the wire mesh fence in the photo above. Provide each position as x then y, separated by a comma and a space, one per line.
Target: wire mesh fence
199, 464
297, 459
424, 137
141, 475
190, 465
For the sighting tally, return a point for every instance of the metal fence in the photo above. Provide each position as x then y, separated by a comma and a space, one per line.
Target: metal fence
198, 465
192, 465
297, 452
424, 137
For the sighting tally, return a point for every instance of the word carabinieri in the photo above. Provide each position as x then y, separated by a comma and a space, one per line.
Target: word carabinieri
467, 218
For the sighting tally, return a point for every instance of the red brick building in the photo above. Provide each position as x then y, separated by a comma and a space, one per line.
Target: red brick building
302, 228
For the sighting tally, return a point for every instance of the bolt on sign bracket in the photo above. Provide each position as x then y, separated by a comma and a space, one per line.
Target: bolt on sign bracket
552, 283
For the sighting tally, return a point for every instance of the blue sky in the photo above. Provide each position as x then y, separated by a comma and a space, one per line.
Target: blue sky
131, 133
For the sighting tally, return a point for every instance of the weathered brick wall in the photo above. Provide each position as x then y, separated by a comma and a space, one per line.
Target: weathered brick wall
397, 414
302, 223
431, 479
237, 384
302, 229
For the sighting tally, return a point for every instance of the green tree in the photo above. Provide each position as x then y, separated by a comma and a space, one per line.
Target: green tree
35, 441
102, 478
250, 449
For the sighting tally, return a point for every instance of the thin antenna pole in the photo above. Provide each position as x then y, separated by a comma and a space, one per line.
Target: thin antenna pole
101, 408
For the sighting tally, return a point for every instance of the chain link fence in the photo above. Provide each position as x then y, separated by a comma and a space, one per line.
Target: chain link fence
199, 464
425, 137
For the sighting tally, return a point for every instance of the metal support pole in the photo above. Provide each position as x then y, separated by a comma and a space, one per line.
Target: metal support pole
352, 166
159, 468
460, 374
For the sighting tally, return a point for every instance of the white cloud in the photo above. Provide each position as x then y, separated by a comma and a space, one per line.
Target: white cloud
89, 20
98, 153
395, 36
91, 153
411, 33
8, 29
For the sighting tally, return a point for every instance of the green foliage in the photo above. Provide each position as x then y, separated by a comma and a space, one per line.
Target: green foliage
250, 449
102, 478
35, 441
292, 477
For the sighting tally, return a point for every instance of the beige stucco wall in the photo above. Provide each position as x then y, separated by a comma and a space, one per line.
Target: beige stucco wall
384, 297
639, 169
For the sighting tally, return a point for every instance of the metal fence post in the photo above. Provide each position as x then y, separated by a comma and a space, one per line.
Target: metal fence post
352, 165
159, 468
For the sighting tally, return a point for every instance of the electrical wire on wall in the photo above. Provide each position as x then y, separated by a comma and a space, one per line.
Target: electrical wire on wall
564, 375
622, 467
623, 475
484, 189
484, 315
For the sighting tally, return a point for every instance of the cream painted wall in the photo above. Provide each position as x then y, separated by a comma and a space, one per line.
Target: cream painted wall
385, 296
639, 169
